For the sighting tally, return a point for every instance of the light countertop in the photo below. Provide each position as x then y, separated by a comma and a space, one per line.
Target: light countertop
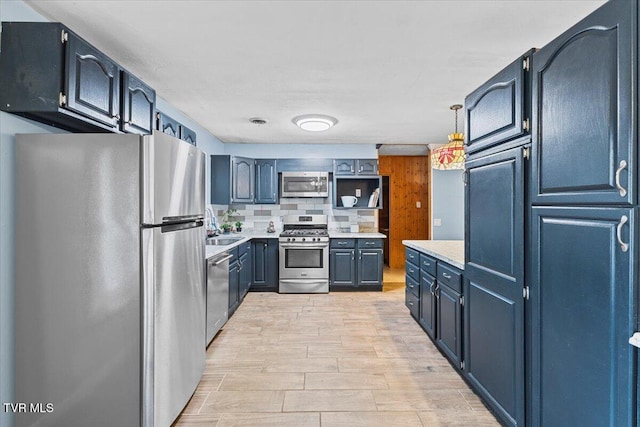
253, 233
449, 251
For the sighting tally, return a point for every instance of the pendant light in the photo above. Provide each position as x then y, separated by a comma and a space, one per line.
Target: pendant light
451, 155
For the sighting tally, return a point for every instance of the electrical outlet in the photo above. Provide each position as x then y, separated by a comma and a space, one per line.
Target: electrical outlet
358, 192
437, 222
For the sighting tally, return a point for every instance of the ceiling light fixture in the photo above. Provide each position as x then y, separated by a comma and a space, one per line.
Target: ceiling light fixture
314, 122
450, 155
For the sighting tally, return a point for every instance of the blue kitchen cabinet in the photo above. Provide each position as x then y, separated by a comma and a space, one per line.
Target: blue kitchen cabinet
498, 110
138, 105
188, 135
583, 298
266, 181
355, 264
494, 281
234, 282
428, 306
243, 180
264, 253
449, 323
342, 265
168, 125
584, 114
244, 270
361, 187
369, 272
355, 167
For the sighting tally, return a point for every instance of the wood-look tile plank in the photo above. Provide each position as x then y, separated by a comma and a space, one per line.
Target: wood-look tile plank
344, 381
191, 420
293, 419
457, 419
302, 365
420, 400
263, 381
371, 419
328, 400
243, 401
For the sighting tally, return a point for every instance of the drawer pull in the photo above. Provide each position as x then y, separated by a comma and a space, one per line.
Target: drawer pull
624, 246
621, 189
342, 243
446, 276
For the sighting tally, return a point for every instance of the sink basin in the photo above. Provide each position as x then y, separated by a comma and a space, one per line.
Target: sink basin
222, 241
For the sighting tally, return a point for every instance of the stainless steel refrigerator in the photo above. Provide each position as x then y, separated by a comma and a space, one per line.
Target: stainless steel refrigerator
110, 279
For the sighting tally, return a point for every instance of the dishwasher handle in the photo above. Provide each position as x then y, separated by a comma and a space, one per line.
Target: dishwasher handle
213, 263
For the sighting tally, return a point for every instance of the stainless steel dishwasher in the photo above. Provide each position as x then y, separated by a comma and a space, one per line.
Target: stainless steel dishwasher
217, 293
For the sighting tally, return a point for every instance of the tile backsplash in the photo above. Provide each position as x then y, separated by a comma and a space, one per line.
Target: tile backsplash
258, 216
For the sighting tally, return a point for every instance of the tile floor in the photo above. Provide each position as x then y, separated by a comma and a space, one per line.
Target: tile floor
338, 359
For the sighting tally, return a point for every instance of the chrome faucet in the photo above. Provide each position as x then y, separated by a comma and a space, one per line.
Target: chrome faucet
211, 224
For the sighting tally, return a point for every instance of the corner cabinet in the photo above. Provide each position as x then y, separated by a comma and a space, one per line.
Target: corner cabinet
63, 81
243, 180
355, 264
264, 276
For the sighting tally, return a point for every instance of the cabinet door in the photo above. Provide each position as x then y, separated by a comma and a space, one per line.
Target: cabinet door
243, 178
583, 111
264, 253
92, 82
367, 166
187, 135
370, 267
344, 167
266, 181
244, 267
234, 284
138, 105
428, 304
342, 266
496, 110
582, 299
166, 124
494, 282
449, 323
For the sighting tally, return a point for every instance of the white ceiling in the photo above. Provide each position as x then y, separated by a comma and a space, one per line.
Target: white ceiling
387, 70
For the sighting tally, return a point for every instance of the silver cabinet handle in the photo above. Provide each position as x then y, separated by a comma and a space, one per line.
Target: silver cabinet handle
624, 246
446, 276
431, 290
621, 189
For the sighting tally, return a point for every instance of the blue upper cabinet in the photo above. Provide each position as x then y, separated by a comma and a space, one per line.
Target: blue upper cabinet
168, 125
138, 105
497, 111
266, 181
347, 167
494, 281
584, 129
242, 180
582, 299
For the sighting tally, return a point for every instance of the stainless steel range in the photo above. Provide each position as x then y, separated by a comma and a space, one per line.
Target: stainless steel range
304, 254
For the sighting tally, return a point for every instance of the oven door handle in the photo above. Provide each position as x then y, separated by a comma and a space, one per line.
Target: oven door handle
303, 246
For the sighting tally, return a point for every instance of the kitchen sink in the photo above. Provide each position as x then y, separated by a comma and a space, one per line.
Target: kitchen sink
222, 241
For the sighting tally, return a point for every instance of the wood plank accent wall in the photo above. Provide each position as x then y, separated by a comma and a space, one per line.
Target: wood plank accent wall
409, 182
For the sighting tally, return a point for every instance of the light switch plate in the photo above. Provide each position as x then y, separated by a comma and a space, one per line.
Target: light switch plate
418, 204
358, 192
437, 222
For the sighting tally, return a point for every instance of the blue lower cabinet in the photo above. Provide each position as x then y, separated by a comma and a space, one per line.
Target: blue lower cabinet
583, 368
244, 270
449, 323
264, 265
412, 303
234, 287
355, 264
428, 307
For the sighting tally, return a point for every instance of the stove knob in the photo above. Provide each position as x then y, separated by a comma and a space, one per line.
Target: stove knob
303, 239
288, 239
313, 240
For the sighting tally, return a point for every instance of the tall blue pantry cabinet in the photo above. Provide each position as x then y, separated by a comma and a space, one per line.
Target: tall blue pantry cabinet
498, 146
550, 233
583, 222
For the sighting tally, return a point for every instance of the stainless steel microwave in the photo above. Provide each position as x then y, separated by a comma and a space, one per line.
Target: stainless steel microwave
305, 184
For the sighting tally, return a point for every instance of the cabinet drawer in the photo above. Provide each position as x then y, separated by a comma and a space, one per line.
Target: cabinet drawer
369, 243
428, 264
412, 256
413, 285
449, 276
412, 271
412, 303
244, 247
234, 255
343, 243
